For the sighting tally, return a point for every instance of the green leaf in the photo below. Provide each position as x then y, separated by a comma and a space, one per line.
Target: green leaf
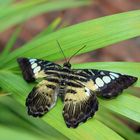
15, 134
11, 42
50, 28
119, 126
4, 94
22, 11
5, 2
125, 105
95, 34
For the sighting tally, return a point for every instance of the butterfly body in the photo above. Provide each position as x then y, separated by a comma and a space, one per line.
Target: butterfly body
77, 88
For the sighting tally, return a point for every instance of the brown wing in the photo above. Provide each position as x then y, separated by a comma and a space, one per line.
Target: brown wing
42, 98
79, 105
109, 84
33, 69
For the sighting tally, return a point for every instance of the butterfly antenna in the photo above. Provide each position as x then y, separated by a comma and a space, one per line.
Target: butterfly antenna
61, 50
76, 53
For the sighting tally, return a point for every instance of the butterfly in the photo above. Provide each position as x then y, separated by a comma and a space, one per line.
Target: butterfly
77, 88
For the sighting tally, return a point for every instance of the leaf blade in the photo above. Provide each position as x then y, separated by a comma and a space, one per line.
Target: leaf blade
125, 26
17, 13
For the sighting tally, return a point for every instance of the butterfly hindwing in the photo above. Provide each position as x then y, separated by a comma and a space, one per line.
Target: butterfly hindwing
108, 84
33, 69
79, 105
42, 98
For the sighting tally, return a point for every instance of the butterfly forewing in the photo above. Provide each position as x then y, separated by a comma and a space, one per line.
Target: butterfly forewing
108, 84
33, 69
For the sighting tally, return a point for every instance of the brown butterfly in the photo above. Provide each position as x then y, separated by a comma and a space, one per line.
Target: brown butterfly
77, 88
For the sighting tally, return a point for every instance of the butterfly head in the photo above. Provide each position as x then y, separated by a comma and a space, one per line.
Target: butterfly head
67, 65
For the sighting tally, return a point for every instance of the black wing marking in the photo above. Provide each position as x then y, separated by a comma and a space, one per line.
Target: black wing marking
42, 98
109, 84
35, 68
79, 105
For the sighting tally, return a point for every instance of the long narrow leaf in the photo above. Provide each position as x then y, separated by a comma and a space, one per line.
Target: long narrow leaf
125, 105
13, 134
95, 34
23, 11
10, 43
108, 119
51, 28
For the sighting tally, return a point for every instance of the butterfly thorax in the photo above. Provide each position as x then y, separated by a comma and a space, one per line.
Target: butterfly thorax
67, 78
67, 65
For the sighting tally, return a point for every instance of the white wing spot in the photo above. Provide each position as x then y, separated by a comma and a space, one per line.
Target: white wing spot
91, 72
37, 69
115, 75
34, 65
112, 77
106, 79
32, 60
87, 91
102, 73
99, 82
